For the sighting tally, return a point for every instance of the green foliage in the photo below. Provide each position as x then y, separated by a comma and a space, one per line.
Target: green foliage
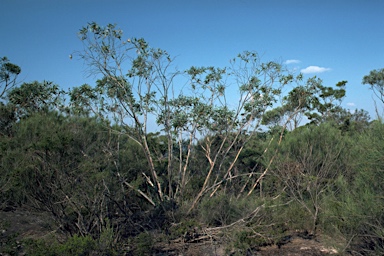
353, 208
224, 209
40, 247
7, 119
35, 97
143, 244
9, 245
368, 193
317, 102
127, 98
244, 242
186, 225
54, 172
77, 246
375, 80
308, 163
219, 210
270, 226
8, 75
107, 238
82, 246
289, 215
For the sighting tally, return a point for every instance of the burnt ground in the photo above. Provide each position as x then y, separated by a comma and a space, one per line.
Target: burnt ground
18, 225
295, 247
21, 224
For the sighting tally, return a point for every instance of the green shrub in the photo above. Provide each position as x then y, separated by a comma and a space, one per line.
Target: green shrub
219, 210
9, 244
179, 230
143, 244
76, 245
244, 242
106, 239
38, 247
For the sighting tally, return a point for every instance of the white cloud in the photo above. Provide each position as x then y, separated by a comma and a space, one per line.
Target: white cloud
314, 69
291, 62
351, 104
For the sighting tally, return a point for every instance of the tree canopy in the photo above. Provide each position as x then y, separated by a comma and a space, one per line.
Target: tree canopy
375, 79
8, 75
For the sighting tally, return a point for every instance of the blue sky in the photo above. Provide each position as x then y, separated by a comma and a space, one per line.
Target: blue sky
333, 39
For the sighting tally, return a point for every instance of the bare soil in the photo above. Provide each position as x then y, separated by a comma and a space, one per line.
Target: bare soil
296, 247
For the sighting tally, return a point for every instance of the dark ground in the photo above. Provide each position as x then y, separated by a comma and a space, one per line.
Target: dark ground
295, 247
20, 224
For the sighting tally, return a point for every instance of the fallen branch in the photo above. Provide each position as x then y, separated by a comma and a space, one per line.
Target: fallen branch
242, 220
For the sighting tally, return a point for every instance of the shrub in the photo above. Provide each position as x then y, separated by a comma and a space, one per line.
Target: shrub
76, 245
219, 210
143, 244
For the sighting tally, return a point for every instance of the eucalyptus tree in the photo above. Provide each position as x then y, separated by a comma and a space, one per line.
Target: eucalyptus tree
34, 97
135, 84
225, 126
217, 110
311, 100
375, 80
8, 75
